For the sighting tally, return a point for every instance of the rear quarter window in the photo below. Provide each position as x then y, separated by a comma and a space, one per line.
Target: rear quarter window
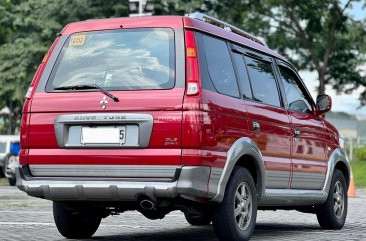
220, 66
126, 59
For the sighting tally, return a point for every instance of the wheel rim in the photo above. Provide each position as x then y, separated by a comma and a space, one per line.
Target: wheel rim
12, 163
243, 206
338, 197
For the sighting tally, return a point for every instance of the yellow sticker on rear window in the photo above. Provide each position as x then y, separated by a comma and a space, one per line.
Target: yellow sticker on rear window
77, 40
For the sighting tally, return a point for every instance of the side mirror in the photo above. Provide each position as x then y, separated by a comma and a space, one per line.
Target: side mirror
323, 104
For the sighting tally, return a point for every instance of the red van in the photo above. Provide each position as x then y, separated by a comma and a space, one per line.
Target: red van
157, 114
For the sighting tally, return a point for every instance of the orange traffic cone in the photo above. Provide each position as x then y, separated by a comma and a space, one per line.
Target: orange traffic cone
352, 188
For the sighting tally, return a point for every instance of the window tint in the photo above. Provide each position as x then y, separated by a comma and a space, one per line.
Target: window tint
243, 76
220, 66
206, 81
295, 97
127, 59
263, 81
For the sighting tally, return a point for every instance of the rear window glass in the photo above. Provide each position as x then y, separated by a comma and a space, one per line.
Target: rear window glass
126, 59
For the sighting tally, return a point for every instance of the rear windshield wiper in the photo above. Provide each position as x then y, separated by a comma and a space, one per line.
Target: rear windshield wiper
86, 87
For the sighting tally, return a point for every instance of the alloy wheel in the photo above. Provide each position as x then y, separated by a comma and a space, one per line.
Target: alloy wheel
243, 206
338, 197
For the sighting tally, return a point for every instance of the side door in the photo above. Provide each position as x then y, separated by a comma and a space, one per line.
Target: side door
309, 164
224, 120
267, 117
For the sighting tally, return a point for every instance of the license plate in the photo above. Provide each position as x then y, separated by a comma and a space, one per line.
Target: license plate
103, 135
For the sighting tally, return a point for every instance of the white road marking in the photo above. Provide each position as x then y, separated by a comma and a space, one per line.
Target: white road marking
40, 212
27, 223
53, 224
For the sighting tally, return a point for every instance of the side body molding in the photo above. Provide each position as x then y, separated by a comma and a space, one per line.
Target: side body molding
243, 146
299, 197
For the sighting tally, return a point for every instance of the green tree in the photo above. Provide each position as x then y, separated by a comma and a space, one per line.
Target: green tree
174, 7
27, 30
317, 35
314, 35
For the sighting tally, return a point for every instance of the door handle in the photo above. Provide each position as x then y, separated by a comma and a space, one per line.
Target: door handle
296, 132
256, 126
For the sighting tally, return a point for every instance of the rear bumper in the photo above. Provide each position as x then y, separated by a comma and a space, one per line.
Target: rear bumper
191, 182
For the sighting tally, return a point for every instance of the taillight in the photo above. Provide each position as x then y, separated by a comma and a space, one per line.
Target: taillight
24, 124
192, 66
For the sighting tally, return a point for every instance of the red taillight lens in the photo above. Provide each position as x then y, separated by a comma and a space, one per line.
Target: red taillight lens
24, 125
192, 66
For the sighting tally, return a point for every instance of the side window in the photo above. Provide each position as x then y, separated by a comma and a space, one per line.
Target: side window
220, 67
295, 97
263, 81
243, 76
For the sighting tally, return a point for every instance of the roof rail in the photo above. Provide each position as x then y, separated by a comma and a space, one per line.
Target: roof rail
221, 24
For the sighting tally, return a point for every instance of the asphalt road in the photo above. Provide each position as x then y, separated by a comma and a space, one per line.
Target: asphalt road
26, 218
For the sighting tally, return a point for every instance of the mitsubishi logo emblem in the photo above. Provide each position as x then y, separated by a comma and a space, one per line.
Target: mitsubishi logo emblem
103, 102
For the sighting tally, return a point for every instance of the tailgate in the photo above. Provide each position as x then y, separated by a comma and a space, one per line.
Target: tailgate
83, 127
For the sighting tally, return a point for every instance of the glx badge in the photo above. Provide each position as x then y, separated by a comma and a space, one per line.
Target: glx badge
103, 102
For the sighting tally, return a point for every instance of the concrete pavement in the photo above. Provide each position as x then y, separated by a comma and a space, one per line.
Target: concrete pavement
27, 218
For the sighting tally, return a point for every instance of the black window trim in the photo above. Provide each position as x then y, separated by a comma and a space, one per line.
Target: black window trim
237, 73
299, 82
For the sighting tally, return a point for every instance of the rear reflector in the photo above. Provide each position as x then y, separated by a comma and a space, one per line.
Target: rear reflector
24, 128
28, 95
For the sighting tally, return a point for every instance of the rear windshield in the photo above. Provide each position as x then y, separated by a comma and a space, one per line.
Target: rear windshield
126, 59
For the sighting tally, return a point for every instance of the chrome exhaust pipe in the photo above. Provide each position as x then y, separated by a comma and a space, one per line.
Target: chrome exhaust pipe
147, 204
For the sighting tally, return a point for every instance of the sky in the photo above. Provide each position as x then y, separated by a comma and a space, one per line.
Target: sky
357, 10
346, 103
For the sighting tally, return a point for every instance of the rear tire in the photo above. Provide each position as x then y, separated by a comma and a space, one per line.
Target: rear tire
235, 217
333, 213
73, 224
2, 171
198, 220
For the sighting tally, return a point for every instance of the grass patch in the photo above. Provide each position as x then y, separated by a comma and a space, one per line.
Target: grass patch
3, 181
359, 173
